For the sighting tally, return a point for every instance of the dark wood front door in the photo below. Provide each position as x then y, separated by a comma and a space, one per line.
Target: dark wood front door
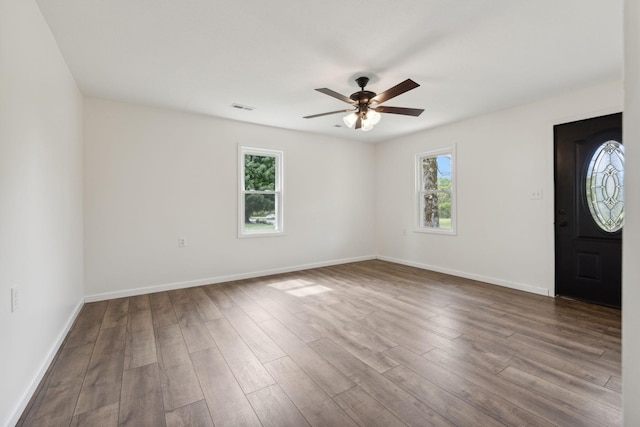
589, 209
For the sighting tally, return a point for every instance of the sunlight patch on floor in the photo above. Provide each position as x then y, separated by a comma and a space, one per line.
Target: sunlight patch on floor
309, 290
290, 284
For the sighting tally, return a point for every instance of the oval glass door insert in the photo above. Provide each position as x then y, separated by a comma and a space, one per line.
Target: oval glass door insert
605, 186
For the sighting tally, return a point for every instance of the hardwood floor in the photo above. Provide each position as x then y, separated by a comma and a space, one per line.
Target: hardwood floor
363, 344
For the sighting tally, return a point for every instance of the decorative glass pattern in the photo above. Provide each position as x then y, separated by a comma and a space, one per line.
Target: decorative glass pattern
605, 186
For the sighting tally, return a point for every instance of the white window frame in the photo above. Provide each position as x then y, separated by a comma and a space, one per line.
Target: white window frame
278, 192
420, 192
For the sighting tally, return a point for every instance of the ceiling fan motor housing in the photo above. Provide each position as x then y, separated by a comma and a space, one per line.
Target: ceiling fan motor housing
362, 97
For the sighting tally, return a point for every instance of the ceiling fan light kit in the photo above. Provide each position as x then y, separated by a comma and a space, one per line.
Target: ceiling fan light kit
369, 119
366, 104
350, 119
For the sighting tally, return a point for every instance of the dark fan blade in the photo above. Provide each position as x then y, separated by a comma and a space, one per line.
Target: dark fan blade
398, 89
336, 95
400, 110
359, 123
326, 114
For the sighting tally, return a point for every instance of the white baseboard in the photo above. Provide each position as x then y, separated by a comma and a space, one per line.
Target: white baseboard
220, 279
494, 281
253, 274
51, 354
261, 273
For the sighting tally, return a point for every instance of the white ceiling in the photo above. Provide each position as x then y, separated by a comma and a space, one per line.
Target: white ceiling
469, 56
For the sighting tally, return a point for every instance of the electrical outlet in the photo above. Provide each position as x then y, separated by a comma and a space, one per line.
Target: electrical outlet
15, 299
536, 194
182, 242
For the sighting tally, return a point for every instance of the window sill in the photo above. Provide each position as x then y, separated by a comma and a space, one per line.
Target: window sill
435, 231
260, 234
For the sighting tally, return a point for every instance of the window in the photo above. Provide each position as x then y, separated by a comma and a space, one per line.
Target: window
435, 191
605, 186
260, 201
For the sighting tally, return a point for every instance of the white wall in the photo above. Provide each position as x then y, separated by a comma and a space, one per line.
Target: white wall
40, 201
152, 175
631, 237
503, 237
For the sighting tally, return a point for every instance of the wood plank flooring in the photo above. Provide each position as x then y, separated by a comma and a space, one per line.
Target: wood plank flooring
363, 344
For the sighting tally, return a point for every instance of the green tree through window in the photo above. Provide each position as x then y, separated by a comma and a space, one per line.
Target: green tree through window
435, 191
259, 175
430, 177
261, 191
259, 172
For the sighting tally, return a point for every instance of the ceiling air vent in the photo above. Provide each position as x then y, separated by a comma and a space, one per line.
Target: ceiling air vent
242, 107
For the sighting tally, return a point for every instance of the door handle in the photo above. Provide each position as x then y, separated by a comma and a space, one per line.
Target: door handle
563, 224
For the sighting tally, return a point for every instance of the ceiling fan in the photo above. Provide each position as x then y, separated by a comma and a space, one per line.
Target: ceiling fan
366, 104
